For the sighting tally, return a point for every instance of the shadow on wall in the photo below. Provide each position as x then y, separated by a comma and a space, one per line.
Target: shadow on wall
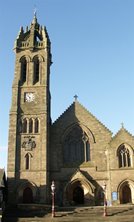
24, 200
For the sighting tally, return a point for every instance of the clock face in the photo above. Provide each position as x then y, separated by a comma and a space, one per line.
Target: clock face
29, 97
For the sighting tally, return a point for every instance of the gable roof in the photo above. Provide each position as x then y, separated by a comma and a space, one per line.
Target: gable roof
79, 175
72, 110
122, 131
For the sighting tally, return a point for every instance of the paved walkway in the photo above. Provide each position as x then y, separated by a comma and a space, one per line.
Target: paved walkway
81, 214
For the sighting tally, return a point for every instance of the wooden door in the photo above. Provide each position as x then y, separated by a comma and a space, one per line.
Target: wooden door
27, 195
78, 195
126, 194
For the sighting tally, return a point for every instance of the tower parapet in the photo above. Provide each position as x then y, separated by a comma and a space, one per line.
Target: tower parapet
34, 37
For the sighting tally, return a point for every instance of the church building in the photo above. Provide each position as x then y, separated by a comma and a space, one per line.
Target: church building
77, 151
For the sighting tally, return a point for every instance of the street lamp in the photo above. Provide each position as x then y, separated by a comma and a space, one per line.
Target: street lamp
1, 203
53, 195
105, 200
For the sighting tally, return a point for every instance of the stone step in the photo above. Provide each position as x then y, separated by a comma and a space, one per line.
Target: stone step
93, 214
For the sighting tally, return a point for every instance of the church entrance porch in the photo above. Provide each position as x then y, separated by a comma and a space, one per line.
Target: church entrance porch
126, 192
79, 192
26, 193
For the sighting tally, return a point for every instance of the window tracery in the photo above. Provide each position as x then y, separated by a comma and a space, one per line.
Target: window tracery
76, 146
124, 156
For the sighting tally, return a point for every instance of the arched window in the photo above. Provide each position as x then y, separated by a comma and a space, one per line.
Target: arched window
20, 125
87, 151
31, 125
86, 147
124, 156
23, 70
24, 126
27, 161
36, 70
76, 147
36, 130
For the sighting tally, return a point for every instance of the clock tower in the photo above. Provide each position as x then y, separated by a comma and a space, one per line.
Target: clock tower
28, 145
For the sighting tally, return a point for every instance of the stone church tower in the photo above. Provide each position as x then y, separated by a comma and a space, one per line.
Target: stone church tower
30, 117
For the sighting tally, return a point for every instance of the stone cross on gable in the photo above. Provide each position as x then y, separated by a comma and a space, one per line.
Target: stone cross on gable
122, 125
75, 97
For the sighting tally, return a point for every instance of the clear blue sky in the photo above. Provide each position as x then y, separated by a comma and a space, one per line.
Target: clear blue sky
93, 57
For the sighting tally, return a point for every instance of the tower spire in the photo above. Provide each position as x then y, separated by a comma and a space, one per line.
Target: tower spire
35, 16
35, 11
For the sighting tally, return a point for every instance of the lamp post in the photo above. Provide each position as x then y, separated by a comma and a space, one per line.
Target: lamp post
53, 195
1, 202
105, 200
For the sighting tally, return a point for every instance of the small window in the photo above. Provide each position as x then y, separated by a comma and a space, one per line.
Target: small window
87, 151
20, 126
27, 161
36, 126
24, 126
31, 126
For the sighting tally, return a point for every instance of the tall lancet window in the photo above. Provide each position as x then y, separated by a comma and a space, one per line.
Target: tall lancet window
36, 129
86, 147
124, 156
23, 70
76, 147
36, 70
30, 125
28, 161
24, 125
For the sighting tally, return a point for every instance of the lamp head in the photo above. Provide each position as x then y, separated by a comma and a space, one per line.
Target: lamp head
53, 186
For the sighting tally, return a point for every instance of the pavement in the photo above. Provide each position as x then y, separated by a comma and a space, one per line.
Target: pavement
124, 213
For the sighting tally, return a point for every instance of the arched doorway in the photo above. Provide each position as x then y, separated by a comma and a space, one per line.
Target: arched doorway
126, 195
79, 191
27, 195
78, 195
